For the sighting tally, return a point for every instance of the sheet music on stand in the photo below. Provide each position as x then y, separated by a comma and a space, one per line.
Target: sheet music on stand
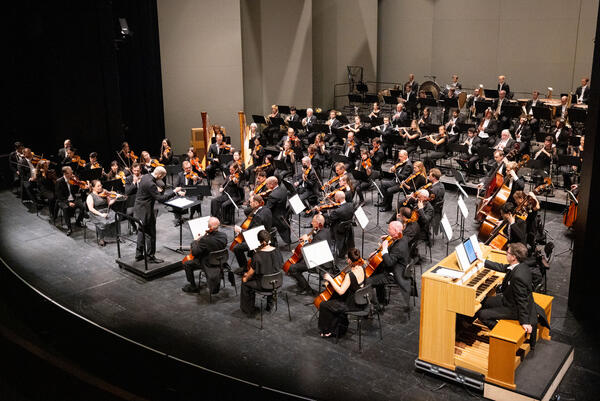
250, 236
180, 203
461, 189
463, 207
447, 227
198, 226
296, 204
362, 218
317, 254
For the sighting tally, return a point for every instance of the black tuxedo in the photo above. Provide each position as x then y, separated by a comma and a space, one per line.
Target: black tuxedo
517, 232
130, 187
221, 206
529, 105
297, 269
561, 139
262, 217
378, 159
524, 130
294, 117
200, 249
586, 94
277, 202
391, 270
425, 219
390, 187
213, 153
143, 209
310, 122
510, 144
506, 88
61, 190
515, 300
343, 237
307, 189
400, 119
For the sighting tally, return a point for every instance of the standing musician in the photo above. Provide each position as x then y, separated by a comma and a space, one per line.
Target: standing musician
400, 117
15, 158
375, 111
523, 135
148, 193
332, 313
531, 103
307, 182
515, 298
66, 197
126, 157
271, 130
561, 136
259, 215
386, 131
277, 202
562, 111
343, 237
62, 152
503, 86
392, 270
205, 243
440, 143
402, 170
287, 155
582, 93
530, 208
308, 122
166, 153
366, 166
99, 203
376, 154
437, 192
318, 233
266, 260
469, 159
231, 191
184, 179
411, 137
132, 181
472, 100
333, 123
214, 150
505, 143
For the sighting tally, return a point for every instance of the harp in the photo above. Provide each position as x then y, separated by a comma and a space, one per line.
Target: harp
245, 140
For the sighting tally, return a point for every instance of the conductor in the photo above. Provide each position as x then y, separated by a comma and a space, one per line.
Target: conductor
148, 193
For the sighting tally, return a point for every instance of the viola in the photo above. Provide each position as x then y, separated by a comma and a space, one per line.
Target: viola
81, 184
395, 166
330, 182
339, 279
297, 255
305, 173
366, 164
110, 194
377, 258
265, 193
155, 163
320, 208
240, 237
121, 175
191, 175
259, 187
331, 194
78, 160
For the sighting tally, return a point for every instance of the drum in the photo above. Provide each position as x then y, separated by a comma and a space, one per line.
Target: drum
462, 99
431, 87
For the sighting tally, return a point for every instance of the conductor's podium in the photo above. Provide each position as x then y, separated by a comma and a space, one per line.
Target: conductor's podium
452, 347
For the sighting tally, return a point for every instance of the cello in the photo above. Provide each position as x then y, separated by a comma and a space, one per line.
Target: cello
297, 255
240, 237
339, 279
189, 256
571, 213
377, 258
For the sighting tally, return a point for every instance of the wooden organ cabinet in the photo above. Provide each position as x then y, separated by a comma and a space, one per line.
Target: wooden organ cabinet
453, 347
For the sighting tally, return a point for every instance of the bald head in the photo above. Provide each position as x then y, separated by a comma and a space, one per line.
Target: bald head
395, 229
340, 196
422, 194
159, 172
318, 220
271, 182
213, 223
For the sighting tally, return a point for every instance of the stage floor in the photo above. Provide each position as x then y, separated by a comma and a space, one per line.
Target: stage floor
286, 356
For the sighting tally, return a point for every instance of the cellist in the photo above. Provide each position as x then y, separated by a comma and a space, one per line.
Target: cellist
256, 215
396, 255
318, 233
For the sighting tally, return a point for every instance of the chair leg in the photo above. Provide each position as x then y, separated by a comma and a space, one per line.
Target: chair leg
288, 306
380, 328
359, 327
261, 314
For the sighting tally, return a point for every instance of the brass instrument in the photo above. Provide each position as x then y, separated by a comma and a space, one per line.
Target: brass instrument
569, 100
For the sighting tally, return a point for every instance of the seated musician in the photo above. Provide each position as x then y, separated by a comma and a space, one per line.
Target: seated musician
375, 111
414, 182
351, 150
93, 162
343, 237
332, 313
402, 170
14, 162
287, 155
562, 111
570, 173
214, 150
318, 233
308, 122
512, 179
268, 166
386, 131
440, 151
514, 299
452, 128
307, 182
392, 270
46, 180
231, 191
74, 161
67, 200
192, 157
62, 152
487, 129
498, 166
166, 152
411, 228
365, 166
260, 184
505, 143
497, 106
258, 153
315, 157
523, 135
272, 130
288, 137
425, 124
132, 181
259, 215
333, 124
187, 178
437, 192
293, 116
126, 157
400, 117
115, 171
340, 171
254, 135
411, 137
28, 174
561, 136
469, 160
98, 204
147, 163
472, 100
516, 228
266, 260
421, 201
237, 159
277, 202
535, 101
321, 148
376, 154
205, 243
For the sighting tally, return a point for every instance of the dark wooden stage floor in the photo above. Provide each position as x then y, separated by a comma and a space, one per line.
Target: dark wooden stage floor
285, 356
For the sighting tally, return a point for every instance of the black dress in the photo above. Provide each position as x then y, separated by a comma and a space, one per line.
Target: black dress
263, 262
332, 313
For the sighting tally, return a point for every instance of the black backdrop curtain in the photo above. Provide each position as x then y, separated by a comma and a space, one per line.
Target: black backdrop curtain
72, 75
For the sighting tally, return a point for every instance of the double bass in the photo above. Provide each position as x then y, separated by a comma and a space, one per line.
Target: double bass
571, 213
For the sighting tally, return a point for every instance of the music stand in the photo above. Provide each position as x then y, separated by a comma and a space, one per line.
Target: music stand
114, 185
577, 115
289, 186
259, 119
173, 170
511, 111
179, 206
280, 164
540, 136
276, 121
296, 125
363, 221
491, 93
343, 119
322, 116
354, 98
371, 98
90, 174
390, 100
225, 159
575, 140
284, 109
449, 103
198, 190
482, 105
320, 128
542, 113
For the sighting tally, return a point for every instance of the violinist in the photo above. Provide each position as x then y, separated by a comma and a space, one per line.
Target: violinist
420, 201
376, 154
126, 157
395, 257
93, 163
351, 150
73, 160
277, 202
166, 153
288, 157
15, 159
258, 153
307, 182
66, 196
365, 166
332, 313
132, 181
386, 132
402, 170
340, 171
205, 243
547, 153
320, 147
259, 215
440, 141
260, 187
46, 181
114, 172
318, 233
28, 174
193, 158
344, 237
214, 150
147, 163
266, 260
237, 159
437, 192
231, 191
185, 179
409, 220
62, 152
268, 166
516, 229
98, 204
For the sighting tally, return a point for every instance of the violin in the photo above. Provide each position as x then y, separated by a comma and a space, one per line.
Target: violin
121, 175
81, 184
234, 177
78, 160
95, 165
288, 152
305, 173
155, 163
297, 255
377, 258
395, 166
224, 146
191, 175
263, 166
258, 187
331, 194
320, 208
366, 164
195, 162
132, 155
110, 194
374, 150
265, 193
330, 182
339, 279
